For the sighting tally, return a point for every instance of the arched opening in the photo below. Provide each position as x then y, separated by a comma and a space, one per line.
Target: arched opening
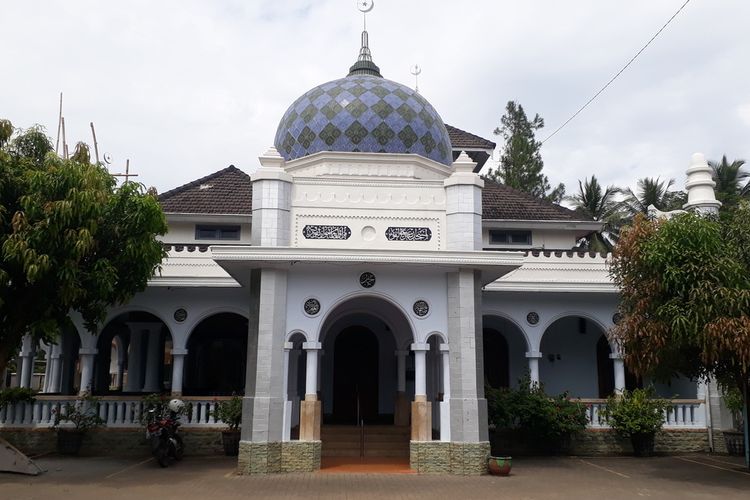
571, 348
134, 355
366, 379
355, 376
217, 356
504, 348
605, 367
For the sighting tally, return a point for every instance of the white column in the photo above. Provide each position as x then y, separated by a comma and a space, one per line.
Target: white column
420, 370
134, 358
153, 360
619, 367
178, 364
444, 351
55, 369
287, 430
311, 374
87, 369
533, 357
401, 370
47, 365
28, 352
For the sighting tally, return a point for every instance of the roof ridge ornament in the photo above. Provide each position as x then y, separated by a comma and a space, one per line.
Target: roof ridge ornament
364, 64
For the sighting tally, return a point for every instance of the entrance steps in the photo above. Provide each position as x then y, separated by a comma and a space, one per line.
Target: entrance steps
379, 441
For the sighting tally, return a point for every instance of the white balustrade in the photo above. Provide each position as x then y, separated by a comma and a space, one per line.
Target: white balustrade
681, 414
115, 411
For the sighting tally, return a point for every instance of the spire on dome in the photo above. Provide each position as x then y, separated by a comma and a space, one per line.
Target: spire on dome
364, 64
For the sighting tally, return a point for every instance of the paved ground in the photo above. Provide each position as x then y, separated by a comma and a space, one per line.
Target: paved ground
213, 478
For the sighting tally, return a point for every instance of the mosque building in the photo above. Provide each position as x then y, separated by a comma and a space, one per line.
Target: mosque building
360, 288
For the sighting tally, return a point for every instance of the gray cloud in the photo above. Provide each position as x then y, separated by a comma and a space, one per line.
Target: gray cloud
184, 88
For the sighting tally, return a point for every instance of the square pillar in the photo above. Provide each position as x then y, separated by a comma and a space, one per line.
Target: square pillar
310, 407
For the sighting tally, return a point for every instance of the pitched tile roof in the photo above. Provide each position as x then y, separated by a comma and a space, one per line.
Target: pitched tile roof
502, 202
227, 191
462, 139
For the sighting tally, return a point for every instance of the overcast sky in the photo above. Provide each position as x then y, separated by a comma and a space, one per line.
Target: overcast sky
185, 88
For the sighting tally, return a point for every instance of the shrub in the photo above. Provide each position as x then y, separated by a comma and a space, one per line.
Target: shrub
635, 413
732, 397
229, 411
83, 413
13, 395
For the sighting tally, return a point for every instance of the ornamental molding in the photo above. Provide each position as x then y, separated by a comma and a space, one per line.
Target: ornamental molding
338, 162
408, 233
356, 222
359, 182
326, 232
425, 201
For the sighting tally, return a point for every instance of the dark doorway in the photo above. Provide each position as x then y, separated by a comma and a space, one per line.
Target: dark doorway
217, 354
496, 362
355, 376
605, 368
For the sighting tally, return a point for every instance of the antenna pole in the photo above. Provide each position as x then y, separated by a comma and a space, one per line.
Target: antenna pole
59, 119
65, 143
96, 145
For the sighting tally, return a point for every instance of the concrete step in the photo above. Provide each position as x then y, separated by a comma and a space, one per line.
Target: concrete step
379, 441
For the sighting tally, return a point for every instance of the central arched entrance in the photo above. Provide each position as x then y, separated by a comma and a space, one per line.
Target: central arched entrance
356, 370
364, 387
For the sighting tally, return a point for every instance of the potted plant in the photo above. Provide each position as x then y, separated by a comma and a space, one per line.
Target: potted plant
734, 438
230, 412
636, 415
80, 416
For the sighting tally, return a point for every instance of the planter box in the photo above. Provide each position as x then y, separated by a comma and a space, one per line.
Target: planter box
735, 441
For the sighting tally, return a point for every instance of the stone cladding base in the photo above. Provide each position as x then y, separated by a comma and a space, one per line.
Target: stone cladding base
269, 458
438, 457
109, 441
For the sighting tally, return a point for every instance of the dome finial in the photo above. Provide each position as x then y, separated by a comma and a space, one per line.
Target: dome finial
364, 64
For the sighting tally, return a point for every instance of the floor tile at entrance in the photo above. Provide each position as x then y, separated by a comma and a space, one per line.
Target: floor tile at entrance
366, 465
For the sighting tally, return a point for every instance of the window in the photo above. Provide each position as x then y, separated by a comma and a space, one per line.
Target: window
210, 232
498, 237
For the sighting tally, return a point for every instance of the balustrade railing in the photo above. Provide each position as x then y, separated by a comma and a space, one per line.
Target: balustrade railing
681, 414
115, 411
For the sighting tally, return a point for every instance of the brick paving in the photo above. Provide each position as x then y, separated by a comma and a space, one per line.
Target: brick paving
213, 478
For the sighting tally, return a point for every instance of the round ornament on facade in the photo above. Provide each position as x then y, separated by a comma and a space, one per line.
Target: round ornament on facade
421, 308
368, 233
367, 280
616, 318
180, 315
532, 318
312, 307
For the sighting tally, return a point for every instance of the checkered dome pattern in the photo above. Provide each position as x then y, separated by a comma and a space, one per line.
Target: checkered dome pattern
363, 113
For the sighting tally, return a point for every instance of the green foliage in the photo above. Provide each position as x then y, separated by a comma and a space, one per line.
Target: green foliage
70, 239
733, 400
600, 205
535, 414
521, 161
83, 413
685, 296
13, 395
729, 178
654, 192
230, 412
635, 412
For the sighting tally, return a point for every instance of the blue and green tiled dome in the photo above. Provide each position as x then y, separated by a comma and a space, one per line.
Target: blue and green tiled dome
363, 112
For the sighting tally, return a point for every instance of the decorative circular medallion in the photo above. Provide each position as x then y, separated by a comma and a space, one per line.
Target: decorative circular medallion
368, 233
421, 308
532, 318
616, 318
312, 307
367, 280
180, 315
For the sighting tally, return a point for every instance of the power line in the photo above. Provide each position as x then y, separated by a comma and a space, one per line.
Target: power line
617, 74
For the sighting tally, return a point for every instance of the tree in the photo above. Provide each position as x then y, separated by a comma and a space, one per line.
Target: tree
600, 205
653, 192
521, 161
70, 240
729, 178
685, 297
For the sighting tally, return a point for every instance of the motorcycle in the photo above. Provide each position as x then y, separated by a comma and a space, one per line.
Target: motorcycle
162, 431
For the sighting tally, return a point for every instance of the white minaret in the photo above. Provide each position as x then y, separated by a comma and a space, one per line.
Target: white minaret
700, 186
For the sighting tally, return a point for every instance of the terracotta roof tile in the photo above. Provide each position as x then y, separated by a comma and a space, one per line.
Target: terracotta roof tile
462, 139
227, 191
502, 202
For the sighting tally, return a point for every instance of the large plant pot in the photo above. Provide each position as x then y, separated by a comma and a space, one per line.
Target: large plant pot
69, 442
231, 442
643, 445
735, 441
500, 466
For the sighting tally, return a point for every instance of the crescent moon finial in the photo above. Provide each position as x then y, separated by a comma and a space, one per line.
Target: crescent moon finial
365, 6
